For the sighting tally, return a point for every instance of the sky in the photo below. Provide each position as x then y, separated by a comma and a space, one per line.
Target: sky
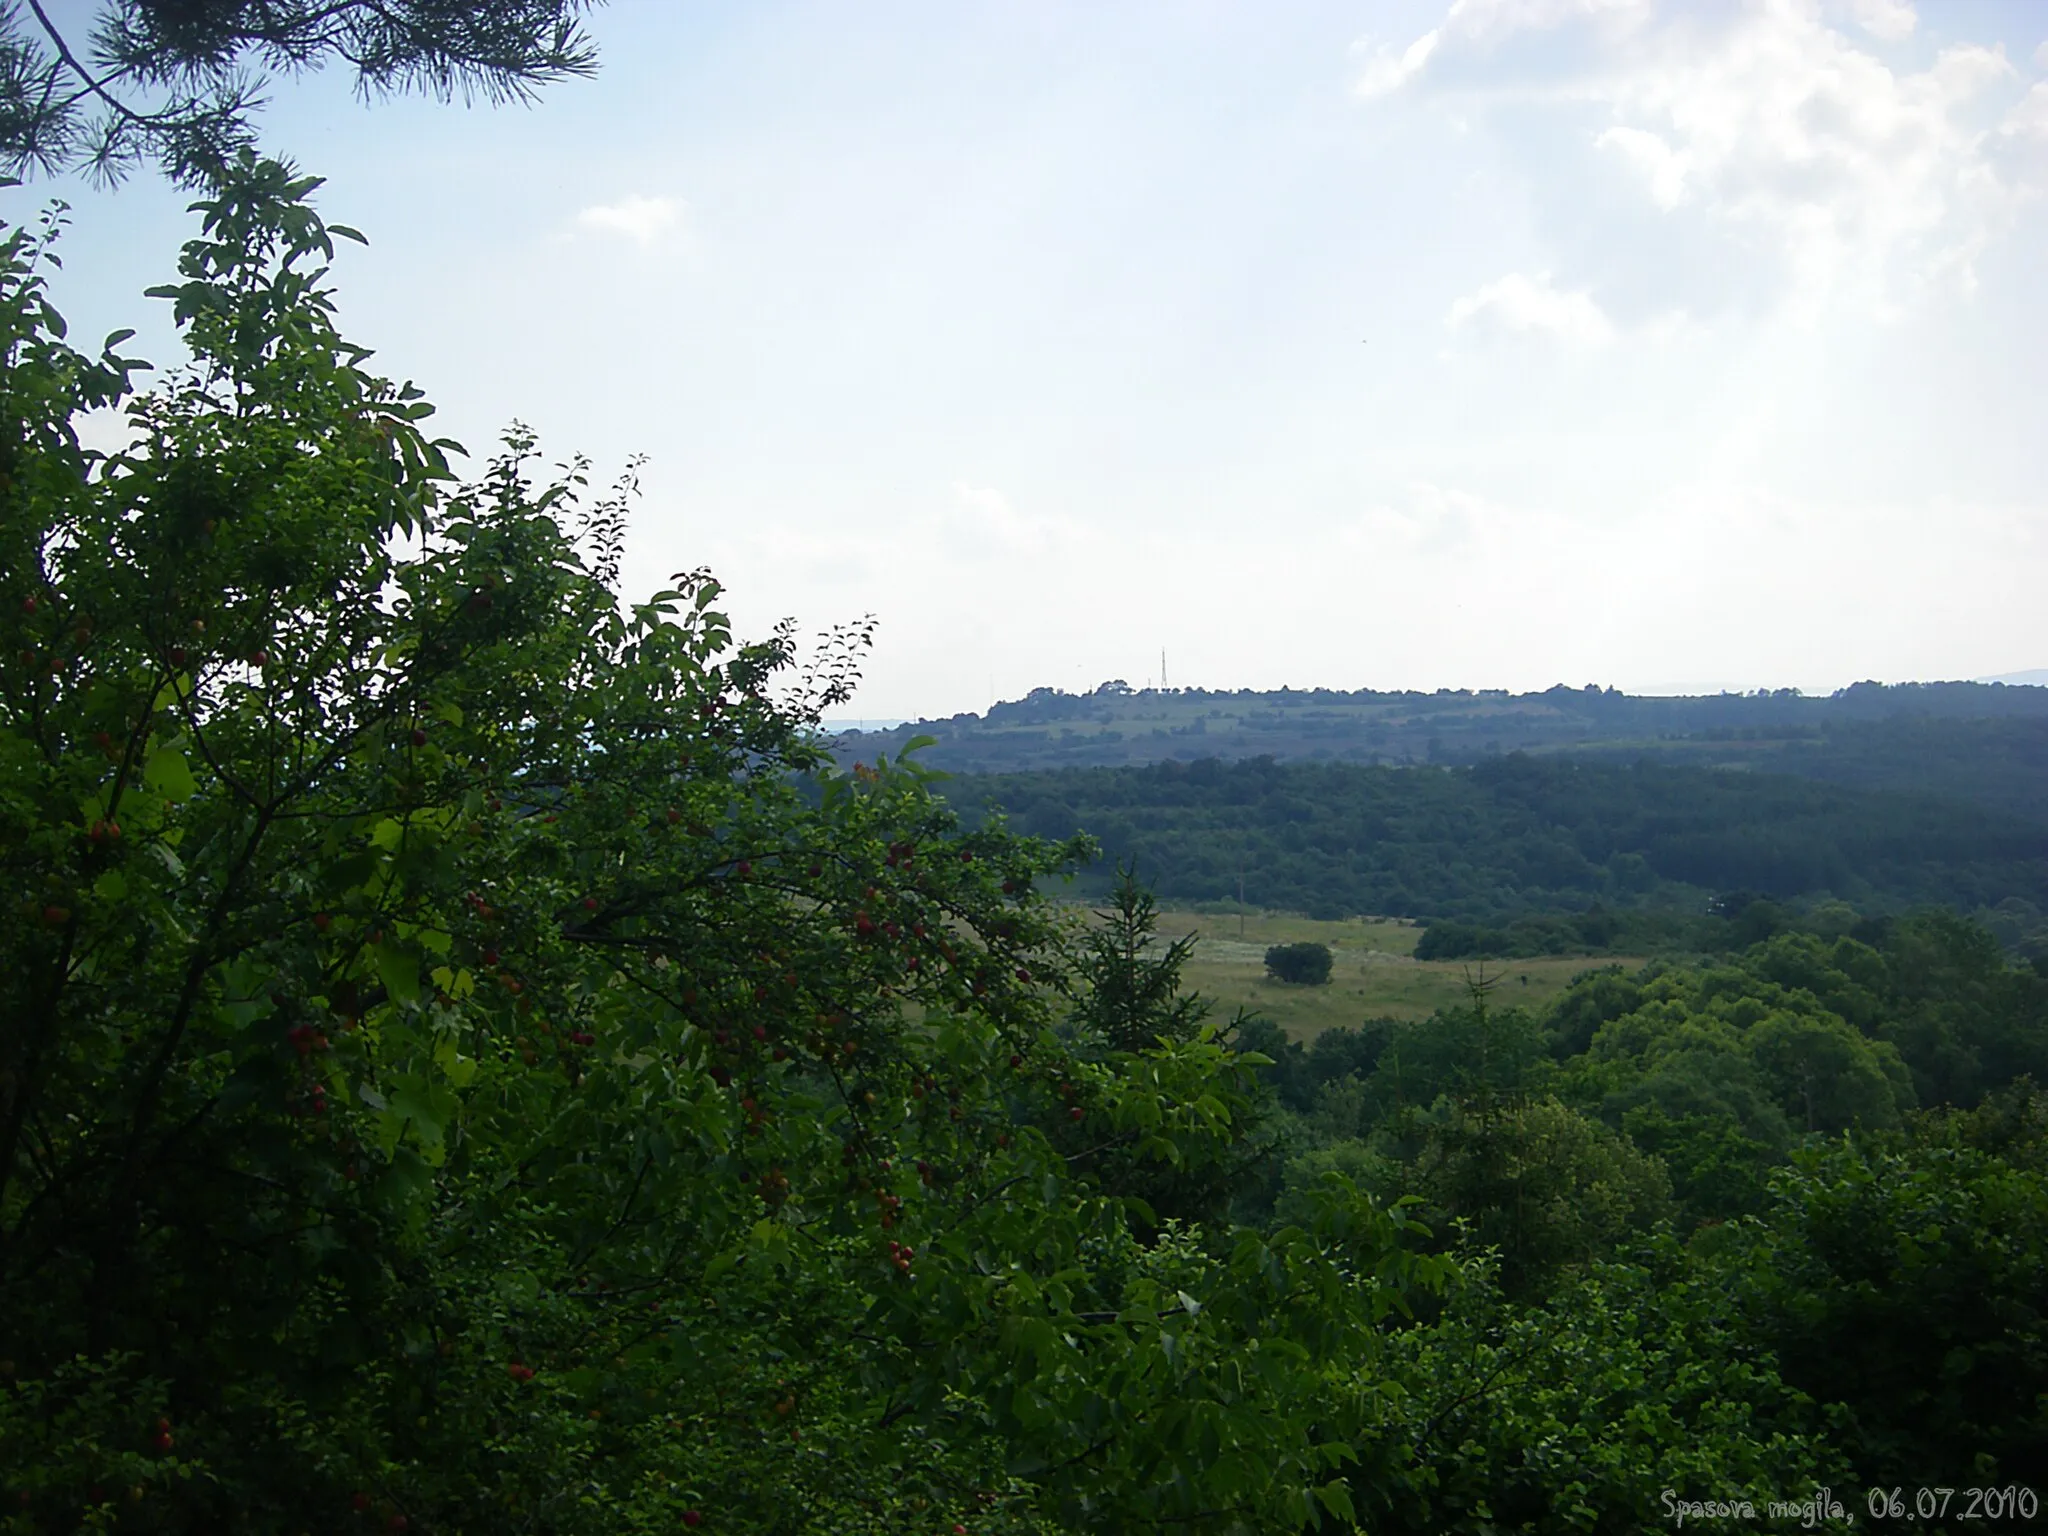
1492, 344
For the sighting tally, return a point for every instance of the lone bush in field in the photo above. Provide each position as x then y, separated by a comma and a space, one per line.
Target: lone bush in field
1301, 965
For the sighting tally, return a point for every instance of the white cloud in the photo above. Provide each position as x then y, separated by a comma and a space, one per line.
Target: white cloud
1660, 165
1521, 303
1789, 134
1887, 20
984, 524
1388, 71
2030, 118
1433, 521
641, 219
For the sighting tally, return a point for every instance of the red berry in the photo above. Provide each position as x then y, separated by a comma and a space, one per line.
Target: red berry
419, 739
490, 957
359, 1502
692, 1518
163, 1441
743, 868
1076, 1113
1016, 1061
56, 917
398, 1522
28, 605
674, 817
322, 921
1022, 974
590, 903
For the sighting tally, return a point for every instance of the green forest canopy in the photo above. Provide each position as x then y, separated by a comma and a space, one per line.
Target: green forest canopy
1983, 743
1520, 835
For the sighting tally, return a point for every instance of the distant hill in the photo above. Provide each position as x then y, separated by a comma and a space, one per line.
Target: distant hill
1520, 836
1984, 743
2038, 677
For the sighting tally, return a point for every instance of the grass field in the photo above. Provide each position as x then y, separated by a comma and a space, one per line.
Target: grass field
1376, 974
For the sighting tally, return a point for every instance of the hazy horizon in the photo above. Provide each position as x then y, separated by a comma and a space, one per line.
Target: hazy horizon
2035, 678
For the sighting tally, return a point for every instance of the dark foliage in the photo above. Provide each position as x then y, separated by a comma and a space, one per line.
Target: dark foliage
1306, 964
1531, 855
1986, 744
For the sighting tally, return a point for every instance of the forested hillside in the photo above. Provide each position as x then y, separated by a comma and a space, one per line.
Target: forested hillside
1984, 743
1520, 836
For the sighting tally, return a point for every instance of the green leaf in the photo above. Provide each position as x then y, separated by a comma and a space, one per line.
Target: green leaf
424, 1109
399, 969
458, 1067
169, 774
1336, 1498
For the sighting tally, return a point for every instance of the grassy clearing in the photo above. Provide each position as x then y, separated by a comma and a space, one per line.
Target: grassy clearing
1376, 974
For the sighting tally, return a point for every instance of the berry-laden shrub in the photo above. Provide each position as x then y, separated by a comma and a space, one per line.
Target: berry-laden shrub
474, 1062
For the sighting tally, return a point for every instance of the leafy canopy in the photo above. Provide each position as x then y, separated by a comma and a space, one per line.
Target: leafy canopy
474, 1061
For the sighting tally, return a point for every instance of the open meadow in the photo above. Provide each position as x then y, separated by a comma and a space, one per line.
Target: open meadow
1375, 974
